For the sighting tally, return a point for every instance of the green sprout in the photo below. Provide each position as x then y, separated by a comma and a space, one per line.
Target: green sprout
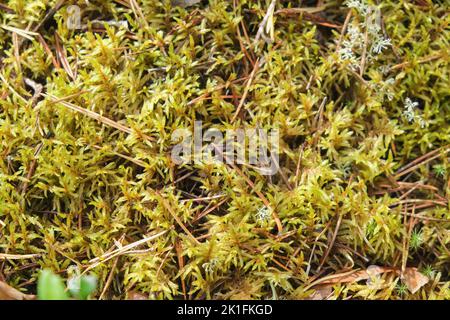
416, 239
429, 271
358, 91
51, 286
401, 289
439, 170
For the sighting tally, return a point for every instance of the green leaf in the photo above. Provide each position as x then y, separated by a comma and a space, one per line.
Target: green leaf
88, 284
51, 287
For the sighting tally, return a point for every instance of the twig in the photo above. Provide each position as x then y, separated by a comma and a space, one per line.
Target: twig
49, 14
207, 211
62, 55
179, 251
5, 256
31, 168
333, 239
48, 51
300, 10
344, 29
177, 219
24, 33
6, 8
258, 64
110, 277
364, 53
122, 250
423, 60
435, 202
420, 161
262, 25
138, 12
140, 163
94, 115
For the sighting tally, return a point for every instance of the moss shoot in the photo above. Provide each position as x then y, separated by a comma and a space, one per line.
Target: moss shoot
91, 93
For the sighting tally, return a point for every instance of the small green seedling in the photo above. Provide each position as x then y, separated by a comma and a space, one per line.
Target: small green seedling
416, 239
51, 286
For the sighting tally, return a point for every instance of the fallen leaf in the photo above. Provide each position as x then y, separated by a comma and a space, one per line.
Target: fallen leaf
9, 293
414, 280
356, 275
133, 295
321, 292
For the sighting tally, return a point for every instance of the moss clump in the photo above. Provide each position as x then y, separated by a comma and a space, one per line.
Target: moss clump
86, 120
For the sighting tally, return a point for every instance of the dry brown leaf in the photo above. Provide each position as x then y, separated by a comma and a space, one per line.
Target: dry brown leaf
355, 276
414, 280
9, 293
321, 292
348, 278
134, 295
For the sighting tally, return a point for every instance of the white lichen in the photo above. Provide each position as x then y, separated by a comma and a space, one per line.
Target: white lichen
366, 34
380, 44
263, 215
210, 266
360, 5
410, 112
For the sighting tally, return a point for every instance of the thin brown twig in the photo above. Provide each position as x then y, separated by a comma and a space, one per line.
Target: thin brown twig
110, 278
420, 161
364, 53
138, 12
247, 88
94, 115
207, 211
344, 29
423, 60
435, 202
62, 56
6, 8
48, 51
179, 251
122, 250
177, 219
5, 256
49, 14
330, 246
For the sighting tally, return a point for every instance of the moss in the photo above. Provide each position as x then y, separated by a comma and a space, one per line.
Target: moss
86, 166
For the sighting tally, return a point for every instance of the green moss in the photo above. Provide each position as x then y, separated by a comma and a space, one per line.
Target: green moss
73, 189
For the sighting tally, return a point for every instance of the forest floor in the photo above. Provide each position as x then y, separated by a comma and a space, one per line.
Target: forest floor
97, 98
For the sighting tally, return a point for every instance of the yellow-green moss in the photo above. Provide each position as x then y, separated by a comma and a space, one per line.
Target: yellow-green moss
72, 188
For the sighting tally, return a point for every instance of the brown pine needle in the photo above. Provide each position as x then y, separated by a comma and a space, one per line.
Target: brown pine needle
62, 56
122, 250
258, 64
421, 161
300, 10
177, 219
23, 33
94, 115
5, 256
